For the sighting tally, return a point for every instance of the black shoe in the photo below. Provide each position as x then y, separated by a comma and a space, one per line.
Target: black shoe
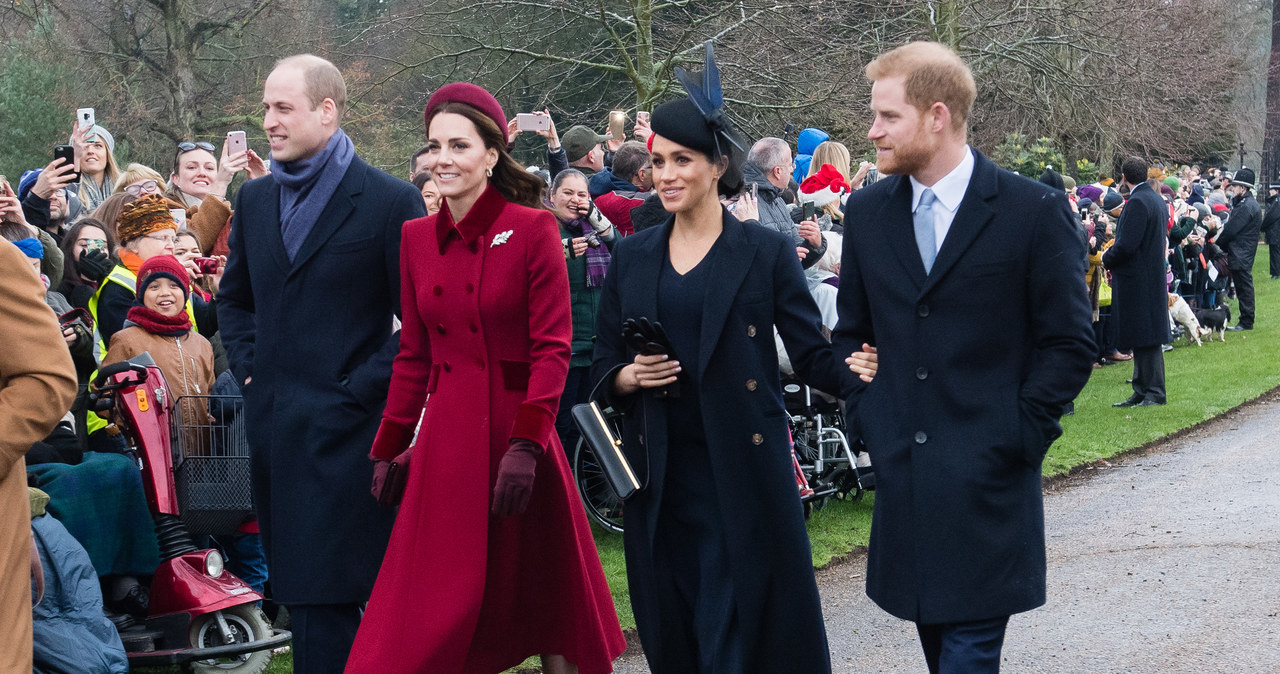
1133, 400
1149, 402
1237, 327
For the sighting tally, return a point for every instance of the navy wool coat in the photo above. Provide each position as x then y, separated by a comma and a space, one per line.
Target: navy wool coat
977, 359
758, 284
1139, 295
315, 334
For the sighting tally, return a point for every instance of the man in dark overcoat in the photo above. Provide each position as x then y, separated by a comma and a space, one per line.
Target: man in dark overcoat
1240, 240
1139, 296
306, 310
962, 288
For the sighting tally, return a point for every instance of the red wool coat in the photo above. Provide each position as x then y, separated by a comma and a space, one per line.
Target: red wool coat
486, 334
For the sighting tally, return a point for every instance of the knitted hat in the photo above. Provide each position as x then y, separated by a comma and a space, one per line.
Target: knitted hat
823, 187
1106, 182
475, 96
103, 135
1084, 205
1173, 183
1051, 178
1166, 190
1091, 192
1216, 197
579, 140
1112, 200
163, 266
30, 247
1201, 208
1220, 208
27, 181
1068, 183
144, 216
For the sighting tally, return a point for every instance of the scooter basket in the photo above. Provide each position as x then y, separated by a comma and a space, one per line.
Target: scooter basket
211, 459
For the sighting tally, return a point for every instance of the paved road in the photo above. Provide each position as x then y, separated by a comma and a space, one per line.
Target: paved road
1164, 562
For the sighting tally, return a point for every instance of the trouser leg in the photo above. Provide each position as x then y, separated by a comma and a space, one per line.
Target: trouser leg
322, 636
1243, 278
964, 648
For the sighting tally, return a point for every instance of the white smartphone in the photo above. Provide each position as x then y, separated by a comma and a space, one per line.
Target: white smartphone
527, 121
179, 216
236, 142
85, 118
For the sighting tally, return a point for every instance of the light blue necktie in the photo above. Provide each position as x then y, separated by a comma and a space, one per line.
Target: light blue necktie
924, 229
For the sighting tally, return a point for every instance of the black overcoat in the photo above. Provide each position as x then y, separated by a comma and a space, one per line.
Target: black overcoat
977, 360
1240, 235
1139, 294
315, 334
758, 284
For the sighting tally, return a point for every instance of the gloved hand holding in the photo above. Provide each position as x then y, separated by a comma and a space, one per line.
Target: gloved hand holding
390, 478
515, 477
93, 265
598, 221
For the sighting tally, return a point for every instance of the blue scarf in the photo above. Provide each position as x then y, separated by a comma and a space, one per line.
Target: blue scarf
317, 175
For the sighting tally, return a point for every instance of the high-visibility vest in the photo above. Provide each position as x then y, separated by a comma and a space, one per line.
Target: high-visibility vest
121, 275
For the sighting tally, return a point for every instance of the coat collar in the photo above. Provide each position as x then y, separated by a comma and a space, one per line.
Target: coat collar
477, 221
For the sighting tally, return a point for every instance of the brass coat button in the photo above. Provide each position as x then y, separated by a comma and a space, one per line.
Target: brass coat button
751, 384
757, 439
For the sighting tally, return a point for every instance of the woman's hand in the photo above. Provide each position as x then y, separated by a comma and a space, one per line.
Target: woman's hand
646, 372
748, 208
579, 246
256, 167
864, 363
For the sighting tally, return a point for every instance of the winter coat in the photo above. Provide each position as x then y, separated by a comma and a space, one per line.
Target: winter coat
187, 365
969, 390
1240, 235
583, 300
808, 141
1139, 296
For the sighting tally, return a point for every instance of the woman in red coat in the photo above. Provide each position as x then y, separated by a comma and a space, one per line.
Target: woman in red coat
491, 559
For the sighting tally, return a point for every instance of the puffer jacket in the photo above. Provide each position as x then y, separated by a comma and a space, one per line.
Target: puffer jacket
187, 365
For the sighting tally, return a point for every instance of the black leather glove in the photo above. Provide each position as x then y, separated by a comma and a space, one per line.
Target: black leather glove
93, 265
516, 471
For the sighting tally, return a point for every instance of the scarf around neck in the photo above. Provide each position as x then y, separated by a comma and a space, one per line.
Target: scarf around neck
306, 186
597, 258
157, 323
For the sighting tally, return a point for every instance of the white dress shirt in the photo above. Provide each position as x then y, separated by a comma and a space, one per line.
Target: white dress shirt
948, 193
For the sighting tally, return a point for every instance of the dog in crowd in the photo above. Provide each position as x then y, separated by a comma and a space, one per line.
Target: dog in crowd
1180, 313
1215, 320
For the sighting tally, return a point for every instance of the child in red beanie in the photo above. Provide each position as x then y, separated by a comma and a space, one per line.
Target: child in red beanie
158, 324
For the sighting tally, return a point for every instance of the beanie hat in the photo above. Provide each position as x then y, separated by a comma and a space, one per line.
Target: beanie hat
1112, 200
1220, 208
1068, 183
579, 140
144, 216
1216, 197
163, 266
30, 247
1173, 183
1090, 192
1051, 178
1166, 190
1106, 182
466, 92
1201, 208
27, 181
823, 187
103, 135
1084, 205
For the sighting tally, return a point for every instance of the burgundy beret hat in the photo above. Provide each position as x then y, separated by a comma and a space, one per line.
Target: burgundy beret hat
475, 96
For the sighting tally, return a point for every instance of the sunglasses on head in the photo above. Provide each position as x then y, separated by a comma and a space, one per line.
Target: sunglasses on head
187, 146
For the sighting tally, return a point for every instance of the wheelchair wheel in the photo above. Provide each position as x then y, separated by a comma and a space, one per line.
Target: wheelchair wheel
601, 502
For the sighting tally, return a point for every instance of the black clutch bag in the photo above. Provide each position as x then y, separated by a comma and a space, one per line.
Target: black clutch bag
601, 429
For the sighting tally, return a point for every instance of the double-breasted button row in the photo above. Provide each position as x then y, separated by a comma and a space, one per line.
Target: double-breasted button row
757, 439
751, 384
751, 331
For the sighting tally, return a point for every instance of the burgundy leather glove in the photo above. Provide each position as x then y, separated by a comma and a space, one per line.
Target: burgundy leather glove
390, 478
515, 477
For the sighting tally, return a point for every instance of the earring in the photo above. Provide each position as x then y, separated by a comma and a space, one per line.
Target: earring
488, 172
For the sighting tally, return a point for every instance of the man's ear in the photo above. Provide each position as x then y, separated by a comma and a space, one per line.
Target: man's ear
328, 111
939, 117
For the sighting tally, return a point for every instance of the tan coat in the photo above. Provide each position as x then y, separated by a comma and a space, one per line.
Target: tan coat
187, 365
37, 387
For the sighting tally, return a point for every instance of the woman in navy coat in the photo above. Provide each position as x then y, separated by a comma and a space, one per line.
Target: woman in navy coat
718, 560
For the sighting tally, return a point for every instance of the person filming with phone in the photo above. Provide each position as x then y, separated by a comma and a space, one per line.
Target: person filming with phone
768, 167
199, 183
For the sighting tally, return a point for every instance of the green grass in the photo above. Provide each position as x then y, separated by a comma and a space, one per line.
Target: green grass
1202, 382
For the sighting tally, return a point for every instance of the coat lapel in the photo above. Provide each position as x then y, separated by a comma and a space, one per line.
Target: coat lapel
269, 212
971, 218
895, 220
335, 213
729, 269
644, 293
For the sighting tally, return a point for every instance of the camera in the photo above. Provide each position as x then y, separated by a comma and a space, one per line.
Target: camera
593, 240
207, 265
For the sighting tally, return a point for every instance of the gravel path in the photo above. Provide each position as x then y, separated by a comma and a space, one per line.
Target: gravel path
1166, 561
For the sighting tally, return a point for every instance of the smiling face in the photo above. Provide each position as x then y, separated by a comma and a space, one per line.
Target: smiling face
153, 244
683, 177
164, 297
900, 130
196, 172
94, 159
294, 128
431, 196
457, 157
571, 198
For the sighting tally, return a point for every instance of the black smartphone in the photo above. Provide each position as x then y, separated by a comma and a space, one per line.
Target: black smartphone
68, 153
807, 210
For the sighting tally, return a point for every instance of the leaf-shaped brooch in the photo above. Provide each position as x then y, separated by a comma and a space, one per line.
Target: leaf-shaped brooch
501, 238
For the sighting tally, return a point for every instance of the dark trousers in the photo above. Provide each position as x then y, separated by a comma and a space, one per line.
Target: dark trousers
322, 636
1148, 373
577, 388
963, 648
1273, 253
1243, 279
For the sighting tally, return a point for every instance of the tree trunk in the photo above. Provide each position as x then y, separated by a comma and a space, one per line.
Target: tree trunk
1271, 133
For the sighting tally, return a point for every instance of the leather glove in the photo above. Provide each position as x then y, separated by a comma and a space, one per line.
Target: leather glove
514, 486
390, 478
93, 265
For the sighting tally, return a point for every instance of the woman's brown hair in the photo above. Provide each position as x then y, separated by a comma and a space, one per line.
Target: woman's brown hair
514, 183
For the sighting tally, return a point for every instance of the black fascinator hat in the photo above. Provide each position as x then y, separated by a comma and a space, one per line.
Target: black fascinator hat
699, 122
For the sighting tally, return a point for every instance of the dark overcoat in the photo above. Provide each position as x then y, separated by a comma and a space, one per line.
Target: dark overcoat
977, 359
1240, 235
1139, 295
315, 334
758, 284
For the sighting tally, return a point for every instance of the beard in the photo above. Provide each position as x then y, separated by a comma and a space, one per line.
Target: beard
910, 156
